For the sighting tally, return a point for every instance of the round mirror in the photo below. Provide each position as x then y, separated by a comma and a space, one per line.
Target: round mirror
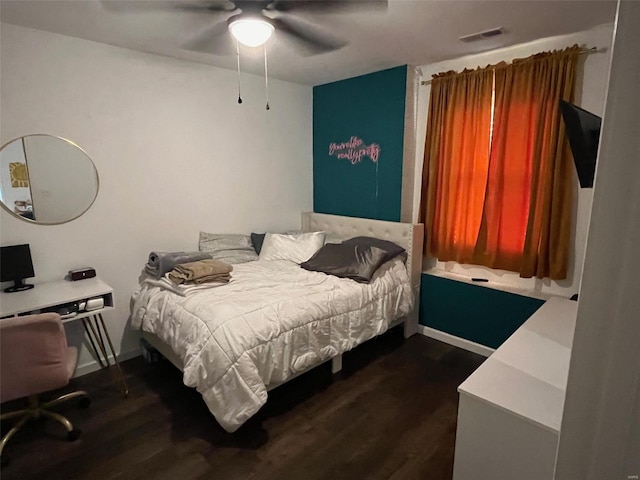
46, 180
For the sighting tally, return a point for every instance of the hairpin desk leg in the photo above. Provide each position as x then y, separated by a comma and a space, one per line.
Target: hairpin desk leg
93, 345
95, 335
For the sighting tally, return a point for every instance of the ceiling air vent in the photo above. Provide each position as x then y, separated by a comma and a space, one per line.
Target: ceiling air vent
474, 37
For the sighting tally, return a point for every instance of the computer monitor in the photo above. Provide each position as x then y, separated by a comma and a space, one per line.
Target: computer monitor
15, 266
583, 130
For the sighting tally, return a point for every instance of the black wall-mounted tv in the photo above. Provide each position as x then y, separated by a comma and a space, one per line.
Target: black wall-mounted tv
583, 130
15, 266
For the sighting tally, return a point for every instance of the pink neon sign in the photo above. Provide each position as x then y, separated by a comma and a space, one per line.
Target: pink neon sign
355, 150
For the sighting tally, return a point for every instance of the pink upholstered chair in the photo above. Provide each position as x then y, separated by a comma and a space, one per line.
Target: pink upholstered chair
35, 358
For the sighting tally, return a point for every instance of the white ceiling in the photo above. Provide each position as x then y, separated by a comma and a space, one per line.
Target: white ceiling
414, 32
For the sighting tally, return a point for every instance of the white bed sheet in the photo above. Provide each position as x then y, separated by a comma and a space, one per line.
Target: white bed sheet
273, 321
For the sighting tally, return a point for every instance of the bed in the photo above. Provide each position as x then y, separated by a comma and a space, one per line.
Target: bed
275, 320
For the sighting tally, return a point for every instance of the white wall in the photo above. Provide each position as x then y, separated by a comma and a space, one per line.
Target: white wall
600, 433
174, 152
590, 95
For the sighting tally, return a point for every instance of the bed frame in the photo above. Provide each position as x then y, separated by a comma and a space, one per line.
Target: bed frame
408, 236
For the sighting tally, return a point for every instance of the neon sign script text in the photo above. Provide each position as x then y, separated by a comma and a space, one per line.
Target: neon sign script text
355, 150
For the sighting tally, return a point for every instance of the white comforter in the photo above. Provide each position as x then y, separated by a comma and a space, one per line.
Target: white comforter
271, 322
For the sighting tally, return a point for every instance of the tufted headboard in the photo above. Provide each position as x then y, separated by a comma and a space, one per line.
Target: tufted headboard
407, 235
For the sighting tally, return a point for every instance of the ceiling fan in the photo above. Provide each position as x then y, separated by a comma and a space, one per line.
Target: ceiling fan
252, 22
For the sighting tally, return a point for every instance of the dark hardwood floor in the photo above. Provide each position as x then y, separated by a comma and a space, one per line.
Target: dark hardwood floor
390, 414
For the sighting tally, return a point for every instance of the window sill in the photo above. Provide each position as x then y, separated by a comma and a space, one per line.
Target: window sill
436, 272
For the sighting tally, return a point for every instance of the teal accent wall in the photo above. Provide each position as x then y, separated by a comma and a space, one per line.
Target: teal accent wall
371, 108
480, 314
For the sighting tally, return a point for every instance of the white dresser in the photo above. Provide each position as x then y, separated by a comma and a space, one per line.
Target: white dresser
511, 407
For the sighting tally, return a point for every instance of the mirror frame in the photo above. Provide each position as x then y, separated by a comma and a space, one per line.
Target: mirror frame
72, 143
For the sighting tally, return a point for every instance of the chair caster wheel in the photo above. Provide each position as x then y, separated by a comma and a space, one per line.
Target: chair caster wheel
84, 402
73, 434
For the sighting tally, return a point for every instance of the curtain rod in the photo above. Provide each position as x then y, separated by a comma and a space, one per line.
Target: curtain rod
585, 51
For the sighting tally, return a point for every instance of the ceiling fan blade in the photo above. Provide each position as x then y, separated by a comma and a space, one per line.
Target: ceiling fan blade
252, 6
214, 39
146, 6
212, 6
307, 37
327, 6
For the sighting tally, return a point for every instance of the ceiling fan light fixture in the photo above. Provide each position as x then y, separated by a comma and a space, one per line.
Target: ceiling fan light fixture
251, 32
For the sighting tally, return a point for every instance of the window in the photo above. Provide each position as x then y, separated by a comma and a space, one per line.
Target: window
497, 172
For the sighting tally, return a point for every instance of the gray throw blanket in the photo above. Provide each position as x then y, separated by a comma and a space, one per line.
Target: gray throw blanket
163, 262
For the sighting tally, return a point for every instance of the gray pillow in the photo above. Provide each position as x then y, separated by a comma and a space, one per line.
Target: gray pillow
343, 260
257, 239
391, 249
230, 247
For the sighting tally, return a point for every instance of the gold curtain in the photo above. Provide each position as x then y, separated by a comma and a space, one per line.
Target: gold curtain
456, 158
529, 194
497, 188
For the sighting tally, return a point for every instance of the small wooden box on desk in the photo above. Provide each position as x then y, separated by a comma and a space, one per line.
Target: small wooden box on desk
53, 296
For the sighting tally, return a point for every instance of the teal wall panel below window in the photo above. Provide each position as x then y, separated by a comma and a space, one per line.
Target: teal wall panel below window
479, 314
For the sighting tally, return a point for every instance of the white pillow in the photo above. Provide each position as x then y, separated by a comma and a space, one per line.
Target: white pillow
295, 248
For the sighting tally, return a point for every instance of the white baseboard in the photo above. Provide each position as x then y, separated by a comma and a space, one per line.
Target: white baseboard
456, 341
94, 366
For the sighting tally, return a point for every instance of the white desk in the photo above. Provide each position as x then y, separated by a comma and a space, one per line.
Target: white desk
511, 407
56, 294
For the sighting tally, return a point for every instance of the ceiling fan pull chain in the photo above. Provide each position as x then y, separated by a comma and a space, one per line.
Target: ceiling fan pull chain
266, 76
238, 57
